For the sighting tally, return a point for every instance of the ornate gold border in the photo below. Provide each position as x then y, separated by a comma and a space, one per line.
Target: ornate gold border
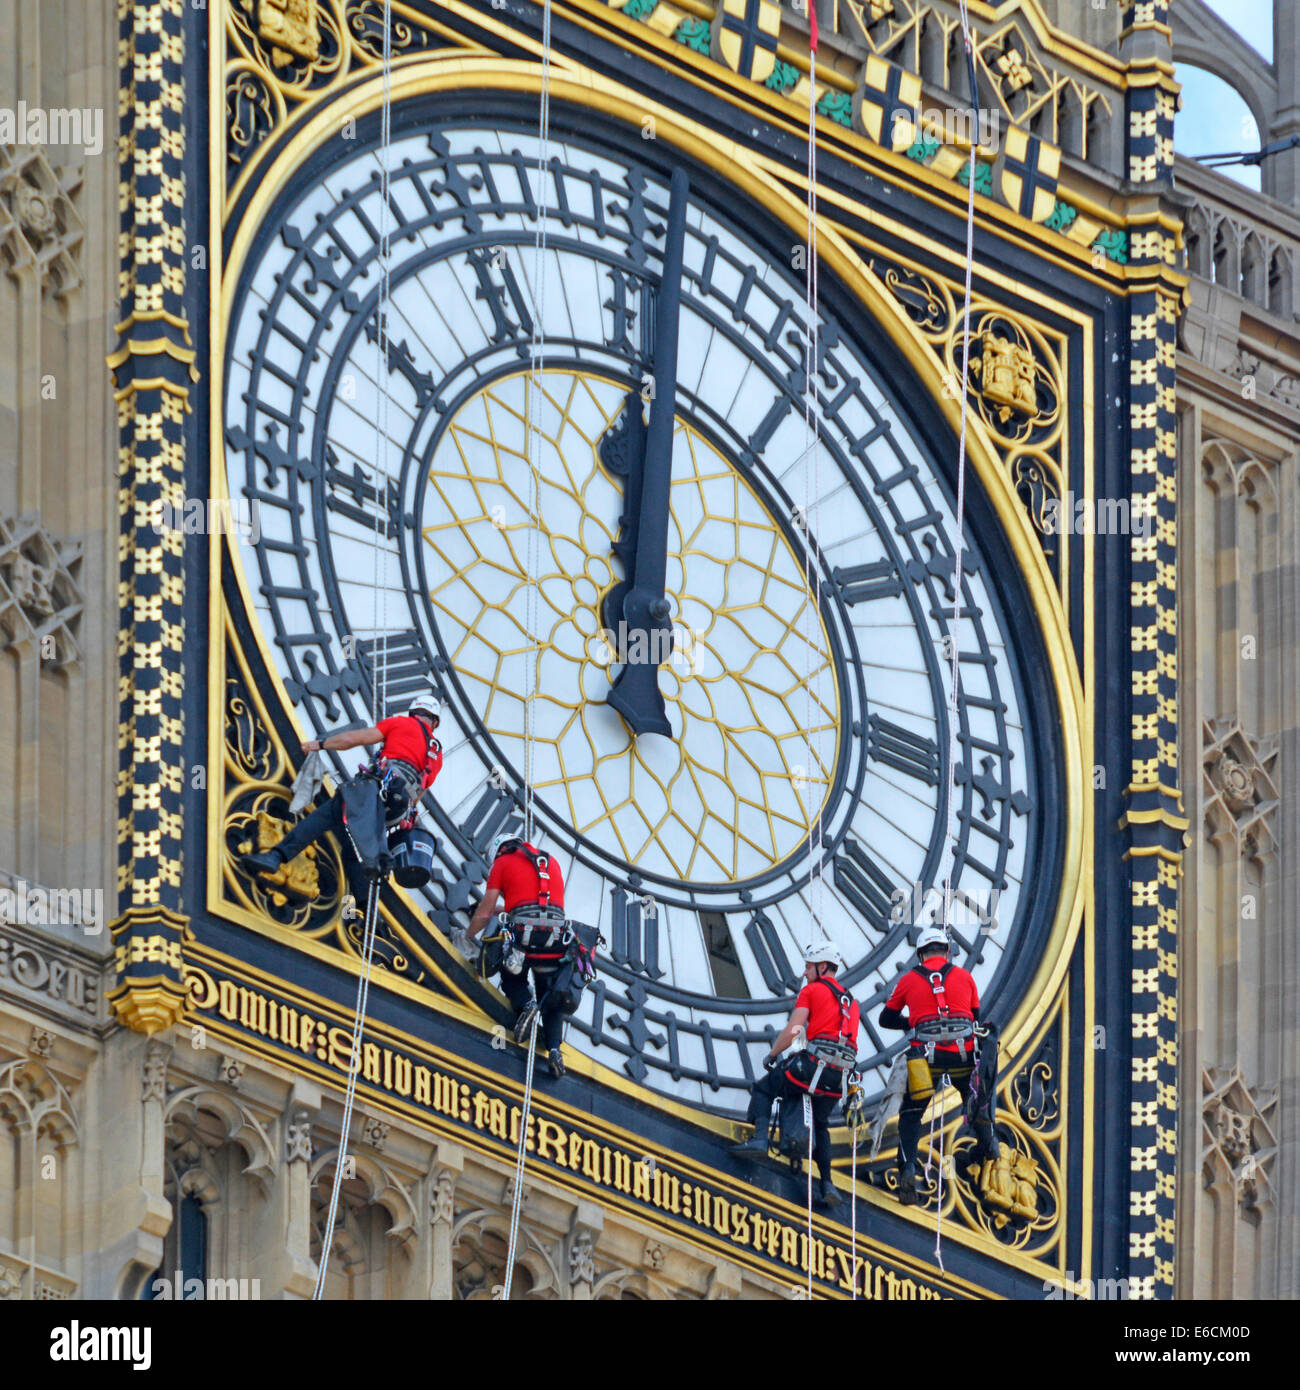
444, 70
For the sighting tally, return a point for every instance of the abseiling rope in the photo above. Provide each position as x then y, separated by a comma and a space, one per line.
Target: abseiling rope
812, 496
532, 599
812, 567
532, 602
953, 691
379, 656
363, 991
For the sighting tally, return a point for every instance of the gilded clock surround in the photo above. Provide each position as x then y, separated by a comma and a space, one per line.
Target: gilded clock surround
1026, 1086
517, 76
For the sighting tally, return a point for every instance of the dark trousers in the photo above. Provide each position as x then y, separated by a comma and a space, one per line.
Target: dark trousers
327, 818
516, 989
776, 1086
912, 1112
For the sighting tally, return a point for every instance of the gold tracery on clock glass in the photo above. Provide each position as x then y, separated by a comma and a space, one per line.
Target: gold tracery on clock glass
735, 791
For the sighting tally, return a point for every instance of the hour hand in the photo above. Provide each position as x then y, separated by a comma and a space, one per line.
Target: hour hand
622, 451
646, 637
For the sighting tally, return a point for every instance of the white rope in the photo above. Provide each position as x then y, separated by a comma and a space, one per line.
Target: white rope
379, 657
532, 599
358, 1022
808, 1123
953, 732
938, 1226
853, 1216
517, 1202
812, 499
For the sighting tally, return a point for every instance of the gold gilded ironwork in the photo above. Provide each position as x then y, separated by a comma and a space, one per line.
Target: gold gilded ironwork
1010, 1182
1012, 66
298, 878
289, 27
1006, 375
595, 93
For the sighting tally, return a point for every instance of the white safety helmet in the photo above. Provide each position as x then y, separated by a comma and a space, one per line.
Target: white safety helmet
429, 706
822, 952
503, 842
933, 938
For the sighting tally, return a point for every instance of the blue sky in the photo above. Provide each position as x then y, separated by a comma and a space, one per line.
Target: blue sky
1214, 118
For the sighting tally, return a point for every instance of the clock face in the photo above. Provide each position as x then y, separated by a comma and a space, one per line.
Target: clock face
434, 510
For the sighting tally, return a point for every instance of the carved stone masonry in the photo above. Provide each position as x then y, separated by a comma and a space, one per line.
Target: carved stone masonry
582, 1264
231, 1071
1238, 1145
297, 1138
40, 598
39, 223
155, 1071
1241, 794
442, 1198
374, 1133
42, 1043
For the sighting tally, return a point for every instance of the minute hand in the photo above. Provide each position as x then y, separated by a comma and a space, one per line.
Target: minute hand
635, 694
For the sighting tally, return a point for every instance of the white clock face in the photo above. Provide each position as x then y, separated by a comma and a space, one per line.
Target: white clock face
811, 589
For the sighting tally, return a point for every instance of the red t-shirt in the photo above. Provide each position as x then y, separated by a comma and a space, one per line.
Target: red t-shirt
823, 1005
404, 738
518, 881
915, 995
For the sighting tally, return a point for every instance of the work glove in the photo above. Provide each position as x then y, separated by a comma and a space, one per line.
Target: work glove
468, 946
771, 1063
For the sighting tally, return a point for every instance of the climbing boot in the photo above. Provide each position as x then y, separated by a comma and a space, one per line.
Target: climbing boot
266, 861
907, 1185
557, 1063
828, 1198
755, 1147
524, 1022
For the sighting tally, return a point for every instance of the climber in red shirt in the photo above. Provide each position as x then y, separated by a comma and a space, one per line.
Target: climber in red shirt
826, 1014
530, 888
410, 757
940, 998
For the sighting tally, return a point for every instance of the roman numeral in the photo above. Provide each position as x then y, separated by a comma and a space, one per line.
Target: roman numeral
863, 583
900, 748
493, 814
767, 427
865, 884
634, 935
340, 486
404, 663
485, 259
769, 955
402, 359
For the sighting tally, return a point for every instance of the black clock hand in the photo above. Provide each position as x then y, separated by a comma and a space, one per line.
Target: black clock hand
622, 451
647, 630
